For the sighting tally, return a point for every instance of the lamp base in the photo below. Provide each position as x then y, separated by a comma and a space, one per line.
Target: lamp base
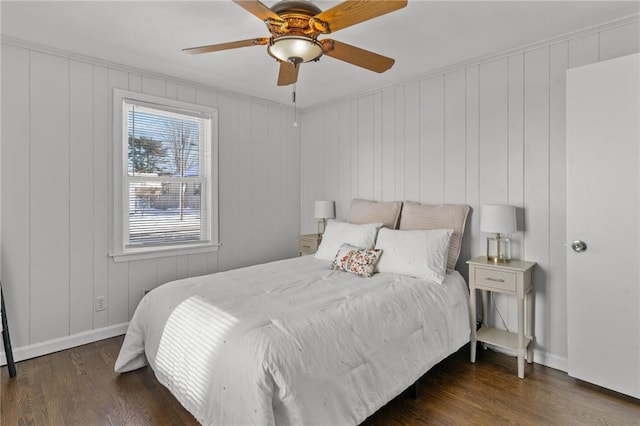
322, 226
498, 249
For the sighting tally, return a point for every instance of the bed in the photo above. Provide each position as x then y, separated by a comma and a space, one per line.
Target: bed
303, 340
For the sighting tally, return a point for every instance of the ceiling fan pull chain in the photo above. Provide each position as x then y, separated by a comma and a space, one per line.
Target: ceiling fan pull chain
295, 106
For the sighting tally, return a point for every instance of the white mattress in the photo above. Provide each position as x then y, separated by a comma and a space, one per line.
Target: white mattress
294, 342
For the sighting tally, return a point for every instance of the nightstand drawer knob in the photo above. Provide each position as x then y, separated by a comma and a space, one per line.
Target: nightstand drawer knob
498, 280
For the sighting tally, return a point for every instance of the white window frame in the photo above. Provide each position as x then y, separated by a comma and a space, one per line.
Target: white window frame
120, 250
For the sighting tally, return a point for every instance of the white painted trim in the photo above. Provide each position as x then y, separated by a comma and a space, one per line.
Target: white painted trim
157, 253
539, 357
67, 342
208, 156
549, 360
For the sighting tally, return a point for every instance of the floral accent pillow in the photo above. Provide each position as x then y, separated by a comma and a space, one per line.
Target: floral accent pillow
356, 260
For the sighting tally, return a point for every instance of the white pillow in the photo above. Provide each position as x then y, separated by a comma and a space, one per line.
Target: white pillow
421, 254
339, 233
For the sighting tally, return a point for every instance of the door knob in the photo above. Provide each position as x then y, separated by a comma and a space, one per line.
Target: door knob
579, 246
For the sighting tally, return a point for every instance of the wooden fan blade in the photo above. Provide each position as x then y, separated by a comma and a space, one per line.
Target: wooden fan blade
288, 73
225, 46
258, 9
353, 12
356, 56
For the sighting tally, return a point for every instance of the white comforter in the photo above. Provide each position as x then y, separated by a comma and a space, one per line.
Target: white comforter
294, 342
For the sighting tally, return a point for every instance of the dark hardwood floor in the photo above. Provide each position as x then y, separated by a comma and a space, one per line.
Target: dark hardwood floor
78, 387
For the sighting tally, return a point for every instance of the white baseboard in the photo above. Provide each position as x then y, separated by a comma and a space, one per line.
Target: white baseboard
67, 342
550, 360
539, 357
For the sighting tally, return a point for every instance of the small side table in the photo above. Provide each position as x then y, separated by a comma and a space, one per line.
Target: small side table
308, 244
513, 278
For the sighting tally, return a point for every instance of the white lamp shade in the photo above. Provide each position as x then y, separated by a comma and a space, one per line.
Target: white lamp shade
324, 210
498, 219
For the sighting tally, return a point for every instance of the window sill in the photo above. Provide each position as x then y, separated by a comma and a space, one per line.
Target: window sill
146, 253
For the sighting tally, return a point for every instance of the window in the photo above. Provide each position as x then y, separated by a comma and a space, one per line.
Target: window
165, 190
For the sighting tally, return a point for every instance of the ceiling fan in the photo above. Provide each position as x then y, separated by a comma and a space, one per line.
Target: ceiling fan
295, 26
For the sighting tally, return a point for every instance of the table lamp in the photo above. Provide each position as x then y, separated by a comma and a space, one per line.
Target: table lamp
498, 219
323, 210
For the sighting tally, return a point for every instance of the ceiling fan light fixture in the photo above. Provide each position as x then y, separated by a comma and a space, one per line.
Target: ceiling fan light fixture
295, 49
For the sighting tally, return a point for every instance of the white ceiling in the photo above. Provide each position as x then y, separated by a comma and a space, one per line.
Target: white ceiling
424, 36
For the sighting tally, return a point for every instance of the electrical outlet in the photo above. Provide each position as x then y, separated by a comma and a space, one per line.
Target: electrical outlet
101, 303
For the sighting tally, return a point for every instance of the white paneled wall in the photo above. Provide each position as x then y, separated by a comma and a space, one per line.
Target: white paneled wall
486, 132
57, 205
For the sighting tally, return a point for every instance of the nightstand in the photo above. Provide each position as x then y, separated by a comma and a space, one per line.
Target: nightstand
308, 244
513, 278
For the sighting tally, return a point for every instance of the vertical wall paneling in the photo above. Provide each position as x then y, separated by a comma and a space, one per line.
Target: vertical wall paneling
182, 262
142, 276
119, 294
515, 147
258, 150
490, 132
377, 146
388, 130
365, 147
100, 193
49, 228
171, 90
493, 132
16, 181
399, 138
80, 199
225, 210
536, 183
476, 242
135, 82
432, 119
166, 269
412, 141
355, 152
454, 138
310, 182
153, 86
242, 129
233, 212
344, 159
274, 141
331, 150
305, 173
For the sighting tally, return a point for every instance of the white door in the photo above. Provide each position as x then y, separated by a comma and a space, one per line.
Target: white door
603, 211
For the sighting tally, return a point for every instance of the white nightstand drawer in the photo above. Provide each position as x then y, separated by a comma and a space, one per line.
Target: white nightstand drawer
494, 279
308, 244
